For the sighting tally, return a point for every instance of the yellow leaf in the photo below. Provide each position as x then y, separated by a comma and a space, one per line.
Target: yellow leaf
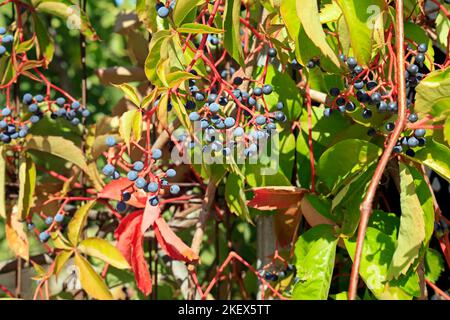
77, 223
2, 182
162, 110
130, 92
91, 282
103, 250
27, 183
131, 122
16, 236
59, 241
61, 260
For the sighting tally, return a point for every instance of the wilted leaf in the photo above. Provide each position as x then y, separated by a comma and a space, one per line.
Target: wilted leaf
16, 236
103, 250
91, 282
272, 198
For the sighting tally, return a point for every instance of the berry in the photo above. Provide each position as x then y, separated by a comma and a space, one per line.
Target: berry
213, 40
214, 107
375, 98
140, 183
419, 132
327, 112
190, 105
126, 196
39, 98
341, 109
362, 96
108, 170
413, 117
110, 141
295, 65
156, 154
350, 106
48, 220
371, 85
154, 201
366, 114
420, 58
358, 69
199, 96
238, 132
257, 91
152, 187
132, 175
171, 173
280, 105
413, 142
85, 113
7, 39
238, 81
229, 122
272, 52
392, 106
260, 120
3, 124
30, 226
75, 121
351, 62
251, 101
359, 84
75, 105
59, 217
422, 48
410, 153
27, 98
43, 236
311, 64
33, 108
212, 97
2, 30
422, 141
398, 149
194, 116
280, 116
163, 12
60, 101
342, 57
2, 50
174, 189
6, 112
267, 89
390, 126
121, 206
334, 92
413, 69
138, 166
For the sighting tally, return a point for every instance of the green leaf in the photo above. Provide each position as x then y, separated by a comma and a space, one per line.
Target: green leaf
145, 9
59, 147
69, 12
308, 13
26, 45
315, 252
103, 250
198, 28
182, 9
442, 29
412, 226
2, 182
154, 55
235, 196
447, 131
434, 265
131, 126
232, 37
357, 17
45, 47
436, 156
91, 282
344, 160
377, 252
27, 184
77, 223
432, 95
130, 92
180, 111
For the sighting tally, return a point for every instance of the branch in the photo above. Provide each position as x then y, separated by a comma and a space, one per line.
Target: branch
367, 204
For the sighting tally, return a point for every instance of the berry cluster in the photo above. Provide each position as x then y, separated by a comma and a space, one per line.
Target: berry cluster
275, 276
142, 177
163, 10
5, 39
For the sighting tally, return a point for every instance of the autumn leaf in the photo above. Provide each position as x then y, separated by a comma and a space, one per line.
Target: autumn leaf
16, 236
114, 189
272, 198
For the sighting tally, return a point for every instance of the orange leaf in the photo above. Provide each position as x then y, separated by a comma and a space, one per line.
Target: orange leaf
114, 189
272, 198
172, 244
151, 213
125, 233
16, 237
286, 223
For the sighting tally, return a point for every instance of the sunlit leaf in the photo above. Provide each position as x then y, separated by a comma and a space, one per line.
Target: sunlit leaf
231, 23
91, 282
78, 222
103, 250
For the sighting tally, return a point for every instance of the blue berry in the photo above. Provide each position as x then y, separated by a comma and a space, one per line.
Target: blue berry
171, 173
238, 81
75, 105
27, 98
419, 132
214, 40
382, 107
251, 101
2, 50
3, 124
413, 142
140, 183
108, 170
238, 132
214, 107
229, 122
257, 91
199, 96
75, 121
33, 108
351, 62
39, 98
2, 31
376, 97
163, 12
61, 112
156, 154
358, 69
280, 105
121, 206
152, 187
132, 175
392, 106
423, 47
164, 183
390, 126
267, 89
154, 201
359, 84
212, 97
60, 101
204, 123
85, 113
194, 116
48, 220
116, 175
413, 69
6, 112
174, 189
260, 120
327, 112
30, 226
59, 217
7, 39
126, 196
110, 141
366, 114
420, 58
413, 117
398, 149
43, 236
272, 52
334, 92
138, 165
350, 106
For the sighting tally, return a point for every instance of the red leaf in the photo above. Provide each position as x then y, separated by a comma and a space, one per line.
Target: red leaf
129, 242
151, 213
271, 198
172, 244
114, 189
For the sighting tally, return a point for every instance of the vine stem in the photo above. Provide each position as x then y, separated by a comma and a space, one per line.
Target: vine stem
367, 204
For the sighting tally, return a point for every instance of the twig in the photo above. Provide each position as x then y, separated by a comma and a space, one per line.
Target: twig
437, 290
367, 204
